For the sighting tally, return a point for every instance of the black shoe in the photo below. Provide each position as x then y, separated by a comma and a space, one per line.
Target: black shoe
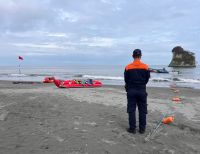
132, 131
142, 131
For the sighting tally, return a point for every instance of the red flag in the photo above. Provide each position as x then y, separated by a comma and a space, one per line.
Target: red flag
20, 58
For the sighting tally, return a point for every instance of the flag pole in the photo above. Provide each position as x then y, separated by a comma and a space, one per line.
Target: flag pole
19, 69
19, 66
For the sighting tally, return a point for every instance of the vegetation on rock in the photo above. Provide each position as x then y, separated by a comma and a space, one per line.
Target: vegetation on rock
182, 58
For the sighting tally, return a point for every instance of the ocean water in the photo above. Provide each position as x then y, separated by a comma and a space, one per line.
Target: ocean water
108, 74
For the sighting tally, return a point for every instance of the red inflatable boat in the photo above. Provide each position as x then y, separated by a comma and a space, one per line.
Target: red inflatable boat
48, 80
88, 83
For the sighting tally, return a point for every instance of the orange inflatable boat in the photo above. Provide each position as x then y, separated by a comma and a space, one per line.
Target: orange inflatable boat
87, 83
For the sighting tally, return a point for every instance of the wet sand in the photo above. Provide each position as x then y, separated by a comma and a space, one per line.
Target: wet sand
43, 119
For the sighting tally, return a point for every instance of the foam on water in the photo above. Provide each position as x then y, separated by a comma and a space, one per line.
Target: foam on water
188, 80
104, 77
17, 75
160, 79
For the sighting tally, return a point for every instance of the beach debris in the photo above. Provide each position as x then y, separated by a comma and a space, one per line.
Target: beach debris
176, 99
172, 88
168, 120
176, 91
3, 115
164, 120
173, 85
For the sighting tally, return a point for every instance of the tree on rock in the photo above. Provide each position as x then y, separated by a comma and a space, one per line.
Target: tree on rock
182, 58
178, 49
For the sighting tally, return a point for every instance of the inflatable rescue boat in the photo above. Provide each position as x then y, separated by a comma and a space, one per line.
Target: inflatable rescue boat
87, 83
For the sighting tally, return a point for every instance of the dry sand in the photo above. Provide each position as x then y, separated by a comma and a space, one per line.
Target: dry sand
42, 119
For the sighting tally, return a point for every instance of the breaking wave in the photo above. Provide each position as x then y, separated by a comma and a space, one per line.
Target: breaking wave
179, 80
103, 77
17, 75
158, 79
189, 80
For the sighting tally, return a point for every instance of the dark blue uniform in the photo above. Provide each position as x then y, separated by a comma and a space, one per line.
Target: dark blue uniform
136, 77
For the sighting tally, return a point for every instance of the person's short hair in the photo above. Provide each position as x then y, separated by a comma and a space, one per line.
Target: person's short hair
137, 53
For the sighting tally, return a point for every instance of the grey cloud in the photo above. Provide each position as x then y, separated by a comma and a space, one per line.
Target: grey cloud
24, 15
101, 27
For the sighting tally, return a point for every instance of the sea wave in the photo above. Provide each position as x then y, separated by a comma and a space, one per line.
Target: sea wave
17, 75
103, 77
160, 80
176, 79
25, 75
189, 80
78, 75
179, 80
154, 79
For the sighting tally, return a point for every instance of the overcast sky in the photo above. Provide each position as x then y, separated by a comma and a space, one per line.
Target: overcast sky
59, 32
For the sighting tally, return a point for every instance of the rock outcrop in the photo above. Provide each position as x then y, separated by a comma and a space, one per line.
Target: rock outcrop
182, 58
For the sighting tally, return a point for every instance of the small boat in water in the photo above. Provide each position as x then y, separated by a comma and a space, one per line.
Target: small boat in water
158, 70
175, 72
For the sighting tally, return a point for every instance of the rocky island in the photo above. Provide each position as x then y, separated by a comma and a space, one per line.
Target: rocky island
182, 58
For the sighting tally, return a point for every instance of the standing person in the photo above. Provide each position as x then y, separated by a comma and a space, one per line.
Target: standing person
136, 76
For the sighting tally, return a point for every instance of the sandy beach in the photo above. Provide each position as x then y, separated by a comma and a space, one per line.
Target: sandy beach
43, 119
